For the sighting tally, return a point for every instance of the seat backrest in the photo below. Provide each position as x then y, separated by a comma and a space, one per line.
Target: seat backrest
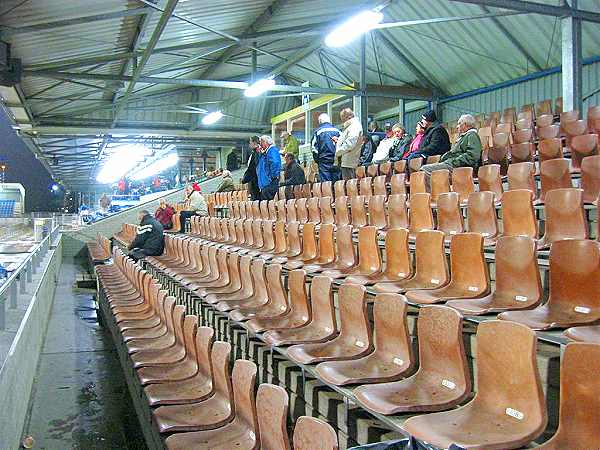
565, 216
352, 187
281, 210
354, 319
481, 214
386, 169
397, 183
271, 206
326, 210
462, 182
554, 174
221, 378
316, 190
326, 244
264, 209
468, 267
517, 272
523, 135
489, 179
366, 188
397, 211
326, 190
377, 216
379, 185
342, 214
268, 236
441, 348
359, 212
280, 240
369, 256
311, 433
431, 265
508, 380
257, 235
569, 116
449, 214
420, 214
321, 302
574, 128
345, 252
361, 172
339, 188
400, 166
522, 152
243, 378
272, 407
417, 183
543, 107
290, 209
549, 132
524, 122
294, 246
314, 213
301, 210
440, 183
550, 149
414, 165
204, 341
518, 214
522, 176
582, 146
309, 241
590, 178
372, 170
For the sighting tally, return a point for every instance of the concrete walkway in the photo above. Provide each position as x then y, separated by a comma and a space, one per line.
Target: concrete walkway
80, 399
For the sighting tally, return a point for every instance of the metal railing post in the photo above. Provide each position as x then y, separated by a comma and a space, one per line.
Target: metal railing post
22, 276
13, 295
29, 270
2, 313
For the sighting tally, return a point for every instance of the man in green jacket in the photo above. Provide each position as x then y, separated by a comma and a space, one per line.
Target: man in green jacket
465, 152
290, 144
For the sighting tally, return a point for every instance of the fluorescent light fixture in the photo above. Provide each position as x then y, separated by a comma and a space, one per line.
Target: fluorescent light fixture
156, 167
212, 117
353, 28
121, 161
259, 87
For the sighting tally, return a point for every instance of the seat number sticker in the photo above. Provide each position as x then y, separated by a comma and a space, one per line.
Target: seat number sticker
514, 413
282, 308
449, 384
359, 343
435, 281
401, 274
398, 361
473, 288
582, 309
520, 298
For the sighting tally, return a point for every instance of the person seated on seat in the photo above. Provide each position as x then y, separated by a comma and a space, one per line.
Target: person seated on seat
290, 144
435, 141
149, 239
293, 174
227, 184
197, 205
466, 152
164, 214
390, 145
413, 146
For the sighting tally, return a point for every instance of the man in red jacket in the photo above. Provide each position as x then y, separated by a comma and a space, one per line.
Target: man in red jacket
164, 214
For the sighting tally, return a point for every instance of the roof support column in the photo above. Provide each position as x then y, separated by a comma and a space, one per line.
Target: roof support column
363, 83
572, 83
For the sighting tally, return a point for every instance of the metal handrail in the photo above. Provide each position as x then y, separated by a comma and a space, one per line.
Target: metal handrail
23, 273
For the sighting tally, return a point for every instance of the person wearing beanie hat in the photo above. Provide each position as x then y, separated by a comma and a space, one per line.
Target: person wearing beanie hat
435, 141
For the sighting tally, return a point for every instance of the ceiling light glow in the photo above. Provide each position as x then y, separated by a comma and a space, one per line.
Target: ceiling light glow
353, 28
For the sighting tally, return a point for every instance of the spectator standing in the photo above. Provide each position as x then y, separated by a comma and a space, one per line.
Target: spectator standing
149, 239
466, 152
293, 174
435, 140
323, 147
197, 205
268, 169
290, 144
164, 214
232, 161
227, 184
349, 143
250, 176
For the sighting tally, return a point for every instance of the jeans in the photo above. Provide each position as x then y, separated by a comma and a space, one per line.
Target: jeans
268, 192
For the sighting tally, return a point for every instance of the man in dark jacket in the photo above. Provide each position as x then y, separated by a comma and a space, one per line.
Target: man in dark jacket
323, 147
250, 177
436, 140
149, 239
293, 174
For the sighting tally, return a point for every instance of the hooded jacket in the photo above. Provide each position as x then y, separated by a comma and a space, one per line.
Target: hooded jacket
466, 152
149, 236
323, 145
269, 167
349, 143
435, 141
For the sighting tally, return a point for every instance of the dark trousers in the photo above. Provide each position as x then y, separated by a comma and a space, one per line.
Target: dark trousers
268, 192
348, 173
138, 253
327, 172
184, 217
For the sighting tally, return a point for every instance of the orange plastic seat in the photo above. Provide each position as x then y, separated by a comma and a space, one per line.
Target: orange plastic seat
342, 214
417, 183
398, 183
549, 132
314, 213
523, 135
489, 179
339, 189
522, 176
589, 333
379, 185
392, 355
377, 216
314, 434
442, 380
361, 172
440, 183
397, 211
582, 146
449, 214
590, 178
481, 216
309, 248
366, 187
386, 169
352, 187
420, 214
431, 267
326, 251
508, 410
518, 214
565, 216
414, 165
354, 338
518, 282
272, 409
550, 149
573, 291
326, 189
462, 182
522, 152
372, 170
358, 210
326, 209
369, 258
400, 166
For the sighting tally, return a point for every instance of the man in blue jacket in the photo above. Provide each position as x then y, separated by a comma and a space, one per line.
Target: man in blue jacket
323, 147
268, 169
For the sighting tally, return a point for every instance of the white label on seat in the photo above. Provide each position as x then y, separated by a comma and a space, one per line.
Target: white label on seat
359, 343
435, 281
452, 232
514, 413
485, 234
473, 288
401, 274
520, 298
398, 362
582, 309
282, 307
328, 330
449, 384
305, 318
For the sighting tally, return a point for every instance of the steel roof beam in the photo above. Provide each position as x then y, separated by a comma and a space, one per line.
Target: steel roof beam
10, 31
538, 8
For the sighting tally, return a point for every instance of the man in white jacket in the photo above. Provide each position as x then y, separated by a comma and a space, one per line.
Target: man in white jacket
348, 145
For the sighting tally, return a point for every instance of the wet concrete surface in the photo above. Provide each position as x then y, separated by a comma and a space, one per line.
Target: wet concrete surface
80, 398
